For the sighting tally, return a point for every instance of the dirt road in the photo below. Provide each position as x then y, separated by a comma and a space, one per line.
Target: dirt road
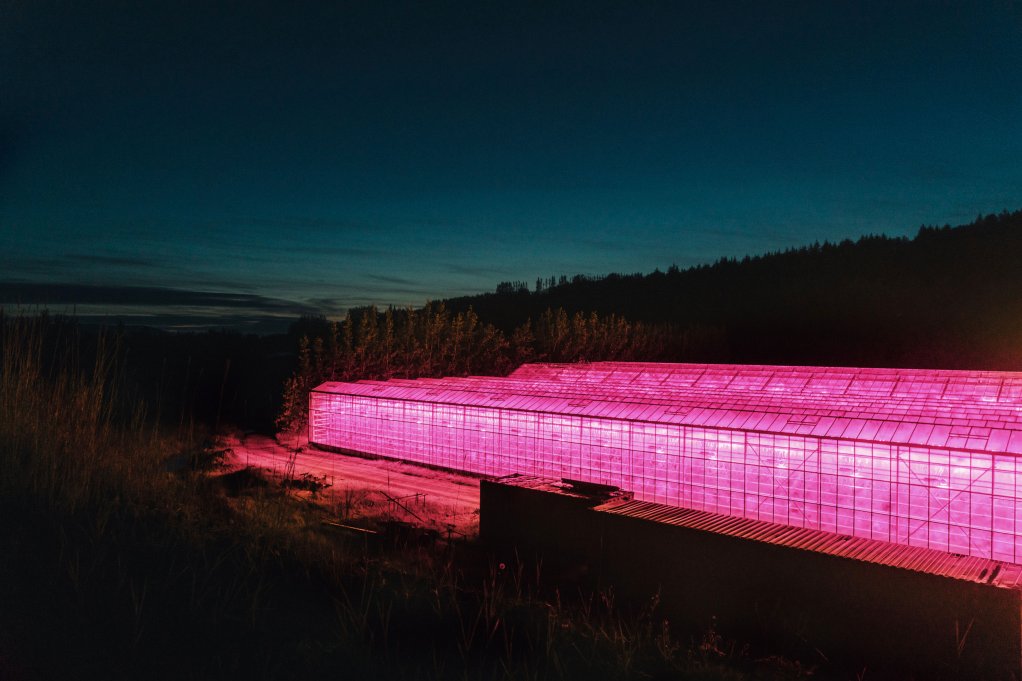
454, 497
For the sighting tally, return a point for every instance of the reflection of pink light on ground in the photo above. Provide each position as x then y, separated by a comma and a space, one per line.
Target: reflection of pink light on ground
915, 457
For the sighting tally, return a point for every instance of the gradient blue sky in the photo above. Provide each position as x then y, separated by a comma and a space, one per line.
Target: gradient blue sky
262, 161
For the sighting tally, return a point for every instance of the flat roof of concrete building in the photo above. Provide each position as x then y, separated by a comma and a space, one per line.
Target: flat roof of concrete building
918, 559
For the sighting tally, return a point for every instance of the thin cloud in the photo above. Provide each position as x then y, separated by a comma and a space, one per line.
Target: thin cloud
243, 323
327, 305
111, 261
387, 279
495, 272
306, 222
20, 293
343, 251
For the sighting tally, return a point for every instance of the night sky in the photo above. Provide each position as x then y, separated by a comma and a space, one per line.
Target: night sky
216, 163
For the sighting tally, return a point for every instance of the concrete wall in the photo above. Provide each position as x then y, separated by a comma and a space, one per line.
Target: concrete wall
857, 614
538, 521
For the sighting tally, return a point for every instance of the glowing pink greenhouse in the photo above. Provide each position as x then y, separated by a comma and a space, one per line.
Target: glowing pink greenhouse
914, 457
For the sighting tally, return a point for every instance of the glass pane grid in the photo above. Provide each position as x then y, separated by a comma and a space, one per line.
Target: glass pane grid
919, 458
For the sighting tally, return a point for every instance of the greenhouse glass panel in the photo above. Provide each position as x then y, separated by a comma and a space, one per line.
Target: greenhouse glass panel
914, 457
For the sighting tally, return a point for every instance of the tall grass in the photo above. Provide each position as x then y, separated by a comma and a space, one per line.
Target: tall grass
107, 551
60, 422
131, 570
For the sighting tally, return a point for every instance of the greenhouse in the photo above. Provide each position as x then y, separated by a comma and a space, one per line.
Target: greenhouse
914, 457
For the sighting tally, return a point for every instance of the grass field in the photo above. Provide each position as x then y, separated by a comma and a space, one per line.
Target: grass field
126, 556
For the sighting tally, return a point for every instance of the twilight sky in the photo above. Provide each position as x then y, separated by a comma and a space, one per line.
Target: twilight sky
235, 163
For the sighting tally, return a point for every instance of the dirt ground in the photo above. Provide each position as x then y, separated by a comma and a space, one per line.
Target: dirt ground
366, 488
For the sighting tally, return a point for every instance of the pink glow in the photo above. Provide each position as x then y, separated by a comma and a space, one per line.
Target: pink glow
921, 458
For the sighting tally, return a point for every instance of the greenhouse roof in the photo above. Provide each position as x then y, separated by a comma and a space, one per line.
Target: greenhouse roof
970, 410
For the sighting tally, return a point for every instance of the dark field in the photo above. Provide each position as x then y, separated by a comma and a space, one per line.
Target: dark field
130, 555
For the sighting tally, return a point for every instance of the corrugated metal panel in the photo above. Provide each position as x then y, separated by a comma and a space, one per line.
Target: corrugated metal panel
930, 561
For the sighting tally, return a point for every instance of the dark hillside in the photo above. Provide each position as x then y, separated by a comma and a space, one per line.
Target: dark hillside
950, 297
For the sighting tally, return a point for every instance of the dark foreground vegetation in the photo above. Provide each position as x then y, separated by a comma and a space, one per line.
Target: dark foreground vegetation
123, 557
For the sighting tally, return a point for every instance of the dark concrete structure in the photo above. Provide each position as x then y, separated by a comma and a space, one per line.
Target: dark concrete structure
912, 612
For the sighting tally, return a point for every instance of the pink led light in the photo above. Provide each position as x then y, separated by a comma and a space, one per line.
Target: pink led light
920, 458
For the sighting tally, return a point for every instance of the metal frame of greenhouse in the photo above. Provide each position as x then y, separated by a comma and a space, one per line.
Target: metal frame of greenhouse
914, 457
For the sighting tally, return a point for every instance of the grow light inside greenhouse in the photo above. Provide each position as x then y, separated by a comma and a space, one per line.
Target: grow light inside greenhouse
914, 457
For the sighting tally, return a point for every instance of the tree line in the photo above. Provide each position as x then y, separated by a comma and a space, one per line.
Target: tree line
949, 298
433, 341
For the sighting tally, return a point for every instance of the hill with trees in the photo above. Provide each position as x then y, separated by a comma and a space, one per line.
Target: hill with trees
948, 298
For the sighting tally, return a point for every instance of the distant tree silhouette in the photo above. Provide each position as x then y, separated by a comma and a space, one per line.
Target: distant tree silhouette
947, 298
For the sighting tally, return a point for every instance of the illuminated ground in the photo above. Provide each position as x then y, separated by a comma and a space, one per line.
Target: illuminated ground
365, 488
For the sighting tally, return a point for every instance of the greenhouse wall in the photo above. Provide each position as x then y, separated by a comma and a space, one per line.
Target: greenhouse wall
910, 457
